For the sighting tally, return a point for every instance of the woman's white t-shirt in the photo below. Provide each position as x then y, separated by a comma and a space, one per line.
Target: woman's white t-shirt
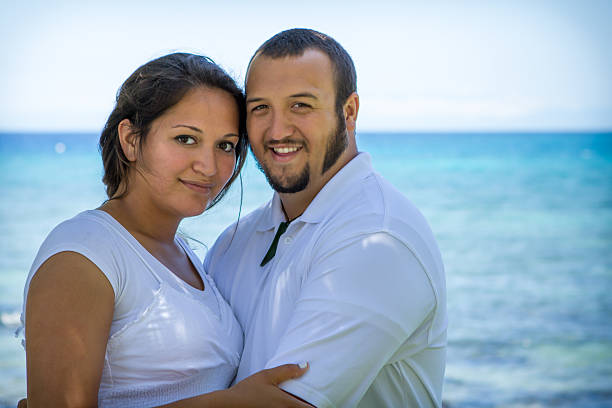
168, 340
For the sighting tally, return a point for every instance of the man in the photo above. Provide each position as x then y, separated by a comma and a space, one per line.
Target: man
339, 269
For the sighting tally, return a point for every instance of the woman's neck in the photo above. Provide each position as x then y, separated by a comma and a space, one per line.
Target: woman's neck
141, 219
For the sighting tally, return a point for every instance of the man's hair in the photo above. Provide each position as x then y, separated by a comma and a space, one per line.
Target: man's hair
294, 42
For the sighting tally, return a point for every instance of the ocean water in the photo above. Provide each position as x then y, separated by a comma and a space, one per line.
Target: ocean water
523, 220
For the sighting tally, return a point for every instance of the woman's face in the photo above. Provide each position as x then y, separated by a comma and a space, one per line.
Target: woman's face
189, 154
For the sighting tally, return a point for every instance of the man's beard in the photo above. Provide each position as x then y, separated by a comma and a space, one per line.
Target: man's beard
336, 144
292, 185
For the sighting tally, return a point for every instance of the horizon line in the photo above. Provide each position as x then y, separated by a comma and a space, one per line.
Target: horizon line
365, 131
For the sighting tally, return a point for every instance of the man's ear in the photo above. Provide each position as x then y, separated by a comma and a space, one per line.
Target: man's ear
351, 109
128, 139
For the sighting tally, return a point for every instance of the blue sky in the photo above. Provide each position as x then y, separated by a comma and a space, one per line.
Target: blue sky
435, 65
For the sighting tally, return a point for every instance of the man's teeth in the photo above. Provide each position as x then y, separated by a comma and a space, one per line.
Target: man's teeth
285, 150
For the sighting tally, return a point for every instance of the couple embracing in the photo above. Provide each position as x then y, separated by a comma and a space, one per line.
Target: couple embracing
331, 294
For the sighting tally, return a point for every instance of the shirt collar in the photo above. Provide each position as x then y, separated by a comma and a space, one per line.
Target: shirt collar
356, 169
273, 214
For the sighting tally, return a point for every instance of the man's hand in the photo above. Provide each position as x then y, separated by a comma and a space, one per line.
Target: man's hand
261, 389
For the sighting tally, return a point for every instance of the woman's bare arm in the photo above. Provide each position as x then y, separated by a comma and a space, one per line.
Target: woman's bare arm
69, 310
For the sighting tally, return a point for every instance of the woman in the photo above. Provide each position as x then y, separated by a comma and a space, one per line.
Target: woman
118, 311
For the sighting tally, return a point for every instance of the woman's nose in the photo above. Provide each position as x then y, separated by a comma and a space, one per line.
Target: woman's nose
206, 163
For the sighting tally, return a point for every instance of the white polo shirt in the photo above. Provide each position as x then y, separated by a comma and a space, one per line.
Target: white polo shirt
356, 289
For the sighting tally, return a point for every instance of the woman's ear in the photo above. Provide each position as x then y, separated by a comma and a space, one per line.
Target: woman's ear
128, 139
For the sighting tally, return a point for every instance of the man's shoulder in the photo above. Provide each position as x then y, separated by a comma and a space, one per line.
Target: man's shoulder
376, 205
399, 210
377, 215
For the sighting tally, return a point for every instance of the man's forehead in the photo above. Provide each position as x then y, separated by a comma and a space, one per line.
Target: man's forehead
306, 55
295, 74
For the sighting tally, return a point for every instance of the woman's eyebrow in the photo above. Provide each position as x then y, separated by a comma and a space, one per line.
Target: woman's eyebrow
195, 129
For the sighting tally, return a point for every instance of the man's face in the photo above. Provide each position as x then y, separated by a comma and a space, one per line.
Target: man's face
294, 129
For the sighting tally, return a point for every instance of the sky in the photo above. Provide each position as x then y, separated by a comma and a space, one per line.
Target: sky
421, 66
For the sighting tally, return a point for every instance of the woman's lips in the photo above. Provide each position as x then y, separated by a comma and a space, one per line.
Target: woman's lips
198, 186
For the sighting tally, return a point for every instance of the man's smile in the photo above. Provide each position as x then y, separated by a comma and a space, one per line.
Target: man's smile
285, 150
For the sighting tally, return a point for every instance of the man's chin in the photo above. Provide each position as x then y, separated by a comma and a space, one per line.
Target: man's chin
288, 185
288, 188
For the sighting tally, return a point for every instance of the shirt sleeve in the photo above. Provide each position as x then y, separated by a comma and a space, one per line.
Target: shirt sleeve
359, 304
87, 238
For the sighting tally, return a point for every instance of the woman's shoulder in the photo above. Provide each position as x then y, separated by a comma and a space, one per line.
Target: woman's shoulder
91, 234
91, 227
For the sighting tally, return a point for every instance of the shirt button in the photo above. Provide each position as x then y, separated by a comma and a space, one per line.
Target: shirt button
288, 240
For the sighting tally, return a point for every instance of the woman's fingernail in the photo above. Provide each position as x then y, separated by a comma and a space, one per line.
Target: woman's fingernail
302, 364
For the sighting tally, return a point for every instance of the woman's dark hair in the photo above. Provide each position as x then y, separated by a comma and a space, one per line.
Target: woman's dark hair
147, 94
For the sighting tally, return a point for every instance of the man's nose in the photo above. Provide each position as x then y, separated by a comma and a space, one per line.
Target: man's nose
280, 127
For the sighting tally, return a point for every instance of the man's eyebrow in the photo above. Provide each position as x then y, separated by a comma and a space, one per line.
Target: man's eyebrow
304, 95
297, 95
195, 129
249, 100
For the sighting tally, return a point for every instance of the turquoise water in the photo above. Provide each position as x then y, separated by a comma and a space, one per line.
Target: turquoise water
524, 223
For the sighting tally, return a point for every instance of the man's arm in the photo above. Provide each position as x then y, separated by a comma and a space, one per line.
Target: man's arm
360, 303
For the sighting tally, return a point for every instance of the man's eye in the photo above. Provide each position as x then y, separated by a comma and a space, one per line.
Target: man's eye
300, 105
259, 108
184, 139
227, 146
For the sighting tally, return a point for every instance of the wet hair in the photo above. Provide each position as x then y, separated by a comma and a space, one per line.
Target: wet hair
149, 92
294, 42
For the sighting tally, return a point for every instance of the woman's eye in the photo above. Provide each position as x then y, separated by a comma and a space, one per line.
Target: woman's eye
184, 139
227, 146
